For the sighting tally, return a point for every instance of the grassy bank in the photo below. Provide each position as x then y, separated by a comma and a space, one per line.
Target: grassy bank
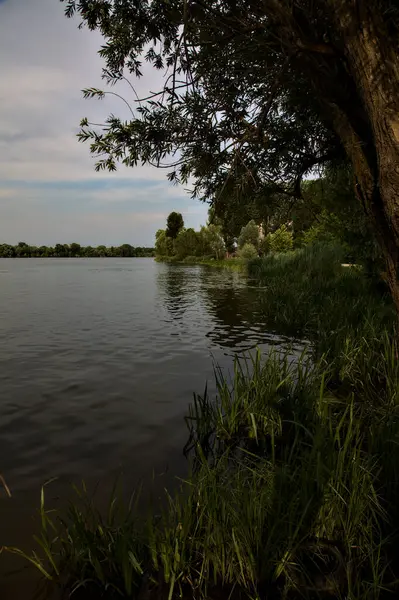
294, 466
345, 313
235, 264
308, 291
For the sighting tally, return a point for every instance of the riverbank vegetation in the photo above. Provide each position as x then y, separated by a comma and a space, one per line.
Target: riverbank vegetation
328, 213
24, 250
211, 243
177, 243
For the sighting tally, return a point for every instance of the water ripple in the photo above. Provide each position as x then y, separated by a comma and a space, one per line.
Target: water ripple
100, 359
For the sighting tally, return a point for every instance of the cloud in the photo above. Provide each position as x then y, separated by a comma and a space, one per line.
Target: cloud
48, 188
91, 211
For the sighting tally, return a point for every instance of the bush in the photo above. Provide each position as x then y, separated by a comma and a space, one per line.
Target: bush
248, 252
281, 240
317, 234
249, 235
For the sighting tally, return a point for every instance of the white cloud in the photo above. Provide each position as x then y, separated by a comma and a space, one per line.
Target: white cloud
45, 61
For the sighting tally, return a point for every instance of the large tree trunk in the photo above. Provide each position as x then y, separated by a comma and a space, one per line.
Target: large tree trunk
369, 125
355, 75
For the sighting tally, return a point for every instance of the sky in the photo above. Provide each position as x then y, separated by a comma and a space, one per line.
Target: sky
49, 191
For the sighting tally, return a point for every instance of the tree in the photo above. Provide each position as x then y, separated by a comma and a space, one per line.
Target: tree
75, 249
280, 240
259, 92
214, 240
174, 225
330, 211
88, 251
60, 250
7, 251
126, 250
163, 244
101, 251
227, 226
186, 243
249, 235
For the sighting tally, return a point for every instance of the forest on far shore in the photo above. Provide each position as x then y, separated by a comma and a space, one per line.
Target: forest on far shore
24, 250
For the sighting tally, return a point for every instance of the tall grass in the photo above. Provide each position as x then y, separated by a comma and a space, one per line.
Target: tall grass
308, 292
292, 493
317, 524
88, 553
235, 264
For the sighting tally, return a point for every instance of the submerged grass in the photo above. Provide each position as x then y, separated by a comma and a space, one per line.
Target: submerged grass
294, 467
235, 264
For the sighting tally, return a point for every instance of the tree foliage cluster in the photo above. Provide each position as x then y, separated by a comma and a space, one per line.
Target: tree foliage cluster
24, 250
179, 242
252, 243
328, 212
256, 95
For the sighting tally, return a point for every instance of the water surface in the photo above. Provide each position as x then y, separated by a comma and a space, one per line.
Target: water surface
99, 359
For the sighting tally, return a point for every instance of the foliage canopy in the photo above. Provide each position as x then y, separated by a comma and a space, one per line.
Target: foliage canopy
174, 224
255, 95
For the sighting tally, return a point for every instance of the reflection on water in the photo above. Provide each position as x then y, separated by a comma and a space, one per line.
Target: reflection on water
99, 360
218, 305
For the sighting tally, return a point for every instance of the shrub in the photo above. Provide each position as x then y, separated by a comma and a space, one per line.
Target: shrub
249, 235
317, 234
248, 252
280, 241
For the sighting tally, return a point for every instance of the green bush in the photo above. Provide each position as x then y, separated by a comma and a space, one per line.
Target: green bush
249, 235
280, 241
247, 252
317, 234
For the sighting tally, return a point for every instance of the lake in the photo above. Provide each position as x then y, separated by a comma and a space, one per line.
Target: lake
99, 360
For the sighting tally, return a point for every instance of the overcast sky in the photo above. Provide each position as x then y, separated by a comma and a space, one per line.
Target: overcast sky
49, 191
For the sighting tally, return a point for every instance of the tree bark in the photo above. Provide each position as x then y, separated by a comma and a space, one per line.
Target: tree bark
356, 78
368, 125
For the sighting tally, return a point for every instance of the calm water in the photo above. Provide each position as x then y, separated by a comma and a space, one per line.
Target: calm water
99, 359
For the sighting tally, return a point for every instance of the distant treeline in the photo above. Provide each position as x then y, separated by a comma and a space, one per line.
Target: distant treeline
23, 250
